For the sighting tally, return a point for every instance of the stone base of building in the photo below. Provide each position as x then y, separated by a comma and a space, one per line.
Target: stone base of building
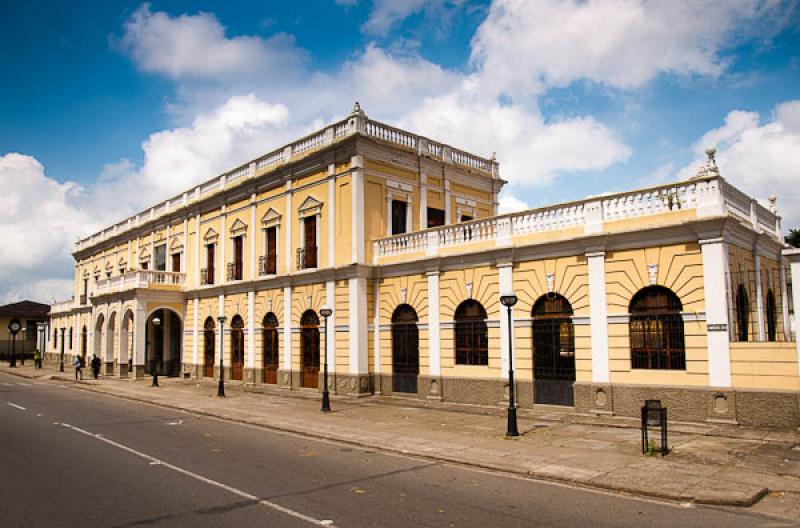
122, 370
192, 371
745, 407
137, 372
109, 369
252, 376
353, 384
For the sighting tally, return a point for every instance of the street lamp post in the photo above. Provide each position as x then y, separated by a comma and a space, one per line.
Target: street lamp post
154, 361
326, 312
61, 364
24, 338
221, 388
13, 327
509, 300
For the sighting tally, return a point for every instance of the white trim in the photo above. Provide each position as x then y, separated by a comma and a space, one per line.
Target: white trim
330, 336
434, 330
759, 298
423, 201
197, 249
358, 361
599, 317
289, 220
253, 240
286, 357
715, 273
357, 213
223, 275
238, 228
376, 325
251, 330
331, 216
787, 323
310, 207
505, 276
195, 331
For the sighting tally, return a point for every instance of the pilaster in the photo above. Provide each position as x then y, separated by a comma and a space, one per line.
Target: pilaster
794, 268
357, 287
434, 329
357, 216
715, 273
505, 275
599, 316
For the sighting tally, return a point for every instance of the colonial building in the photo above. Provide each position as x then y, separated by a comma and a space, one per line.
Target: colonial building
678, 292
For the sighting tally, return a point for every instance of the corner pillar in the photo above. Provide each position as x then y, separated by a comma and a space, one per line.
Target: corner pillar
715, 271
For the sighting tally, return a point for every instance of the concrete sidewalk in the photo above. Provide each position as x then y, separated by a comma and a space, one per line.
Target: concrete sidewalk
753, 467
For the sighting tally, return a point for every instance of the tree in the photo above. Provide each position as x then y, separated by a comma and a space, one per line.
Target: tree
793, 238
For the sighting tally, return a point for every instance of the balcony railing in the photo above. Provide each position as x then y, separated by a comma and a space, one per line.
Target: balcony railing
140, 279
711, 196
62, 306
307, 257
83, 299
267, 264
235, 271
207, 276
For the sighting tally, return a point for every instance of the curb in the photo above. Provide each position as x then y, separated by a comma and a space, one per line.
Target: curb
680, 497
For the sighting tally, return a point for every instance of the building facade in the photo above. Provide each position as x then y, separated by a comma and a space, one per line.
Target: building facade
678, 292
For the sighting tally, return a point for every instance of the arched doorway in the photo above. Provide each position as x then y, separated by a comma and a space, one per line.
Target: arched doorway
164, 338
237, 347
309, 349
657, 338
742, 313
553, 350
97, 349
84, 343
208, 350
405, 349
269, 343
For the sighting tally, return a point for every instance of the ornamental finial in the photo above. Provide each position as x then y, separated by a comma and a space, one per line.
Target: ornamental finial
357, 110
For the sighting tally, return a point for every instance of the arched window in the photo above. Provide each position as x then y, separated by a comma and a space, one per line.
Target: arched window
309, 349
772, 334
208, 353
656, 330
84, 337
269, 343
405, 349
742, 313
553, 350
70, 338
472, 334
237, 347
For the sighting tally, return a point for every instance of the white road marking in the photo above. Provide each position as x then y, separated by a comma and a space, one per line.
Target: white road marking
8, 384
155, 461
24, 384
14, 405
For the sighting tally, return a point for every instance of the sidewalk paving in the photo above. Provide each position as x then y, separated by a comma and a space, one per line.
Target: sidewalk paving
707, 465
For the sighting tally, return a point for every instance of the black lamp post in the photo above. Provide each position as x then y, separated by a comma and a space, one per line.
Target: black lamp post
156, 324
24, 338
221, 388
509, 300
326, 312
61, 364
13, 327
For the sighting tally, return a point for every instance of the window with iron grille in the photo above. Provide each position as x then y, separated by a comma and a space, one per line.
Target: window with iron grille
656, 330
472, 334
759, 321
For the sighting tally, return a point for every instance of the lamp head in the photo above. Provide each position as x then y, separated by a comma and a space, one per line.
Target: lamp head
221, 319
508, 299
325, 311
156, 321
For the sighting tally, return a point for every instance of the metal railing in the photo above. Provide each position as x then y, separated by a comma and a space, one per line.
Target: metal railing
268, 264
307, 257
235, 271
207, 276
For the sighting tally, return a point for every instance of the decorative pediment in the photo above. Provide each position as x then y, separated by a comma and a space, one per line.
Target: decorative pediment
271, 218
96, 269
85, 272
309, 207
176, 244
238, 227
122, 262
144, 255
109, 265
211, 236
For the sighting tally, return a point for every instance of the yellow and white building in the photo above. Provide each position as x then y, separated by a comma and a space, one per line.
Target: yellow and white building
678, 292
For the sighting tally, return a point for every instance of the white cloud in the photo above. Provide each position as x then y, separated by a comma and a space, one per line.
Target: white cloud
524, 46
386, 13
510, 203
759, 157
196, 46
39, 222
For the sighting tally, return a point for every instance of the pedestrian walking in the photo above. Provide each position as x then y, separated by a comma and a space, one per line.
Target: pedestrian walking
37, 359
95, 366
78, 363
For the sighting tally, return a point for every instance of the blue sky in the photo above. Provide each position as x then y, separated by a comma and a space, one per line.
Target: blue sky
110, 106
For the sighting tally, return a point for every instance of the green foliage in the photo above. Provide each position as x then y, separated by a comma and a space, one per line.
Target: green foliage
793, 238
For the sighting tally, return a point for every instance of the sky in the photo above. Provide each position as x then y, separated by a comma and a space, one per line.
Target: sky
107, 107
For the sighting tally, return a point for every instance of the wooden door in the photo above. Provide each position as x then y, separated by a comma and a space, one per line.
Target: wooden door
272, 251
237, 348
309, 347
176, 262
270, 348
210, 263
310, 242
238, 258
208, 356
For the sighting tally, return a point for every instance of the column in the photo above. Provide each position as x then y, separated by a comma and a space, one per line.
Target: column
195, 336
599, 316
222, 267
423, 201
787, 323
715, 271
759, 297
286, 360
358, 325
220, 345
197, 264
448, 217
139, 340
288, 221
330, 331
252, 232
794, 268
357, 216
434, 342
251, 337
331, 218
505, 274
376, 326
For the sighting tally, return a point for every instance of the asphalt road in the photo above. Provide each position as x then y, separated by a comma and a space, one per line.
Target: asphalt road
74, 458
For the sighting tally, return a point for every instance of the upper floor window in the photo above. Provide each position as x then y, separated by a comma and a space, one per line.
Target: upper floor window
207, 273
236, 268
308, 253
160, 257
435, 217
656, 330
399, 217
472, 334
176, 262
269, 262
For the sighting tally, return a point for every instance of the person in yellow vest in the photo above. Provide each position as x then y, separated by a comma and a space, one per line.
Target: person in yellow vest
37, 359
